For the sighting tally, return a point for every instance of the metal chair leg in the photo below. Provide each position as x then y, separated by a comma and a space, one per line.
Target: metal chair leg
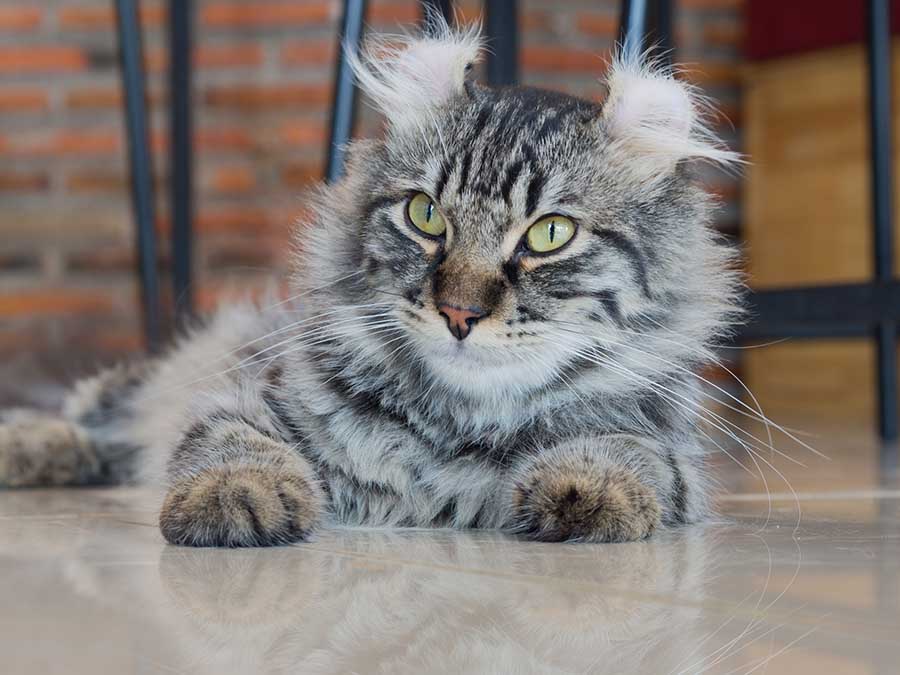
181, 153
662, 19
141, 166
343, 110
502, 27
632, 28
879, 52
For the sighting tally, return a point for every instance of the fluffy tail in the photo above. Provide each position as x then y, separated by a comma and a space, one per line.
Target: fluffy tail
87, 444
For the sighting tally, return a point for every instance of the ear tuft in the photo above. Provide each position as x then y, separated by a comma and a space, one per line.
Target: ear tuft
408, 77
655, 120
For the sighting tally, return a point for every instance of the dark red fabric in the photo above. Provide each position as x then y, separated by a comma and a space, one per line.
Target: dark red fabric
781, 27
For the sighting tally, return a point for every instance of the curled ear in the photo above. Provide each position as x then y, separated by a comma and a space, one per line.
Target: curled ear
408, 77
654, 121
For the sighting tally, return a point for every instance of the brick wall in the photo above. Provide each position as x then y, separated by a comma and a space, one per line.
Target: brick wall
262, 91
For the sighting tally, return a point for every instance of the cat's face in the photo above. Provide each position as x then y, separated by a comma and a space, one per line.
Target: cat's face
510, 233
496, 237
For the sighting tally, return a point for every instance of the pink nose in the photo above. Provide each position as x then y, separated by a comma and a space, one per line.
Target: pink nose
460, 321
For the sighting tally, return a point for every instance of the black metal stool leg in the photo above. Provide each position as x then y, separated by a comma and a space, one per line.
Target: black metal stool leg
141, 165
343, 109
443, 8
663, 19
879, 49
181, 154
632, 28
502, 27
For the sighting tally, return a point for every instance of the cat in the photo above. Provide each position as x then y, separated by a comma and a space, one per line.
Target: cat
495, 321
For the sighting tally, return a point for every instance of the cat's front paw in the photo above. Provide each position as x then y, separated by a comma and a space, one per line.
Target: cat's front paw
583, 502
241, 506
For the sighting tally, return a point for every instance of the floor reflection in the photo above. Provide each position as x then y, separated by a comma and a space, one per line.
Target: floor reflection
470, 603
90, 587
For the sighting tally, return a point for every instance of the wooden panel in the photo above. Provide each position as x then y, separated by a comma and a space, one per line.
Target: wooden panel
807, 218
819, 381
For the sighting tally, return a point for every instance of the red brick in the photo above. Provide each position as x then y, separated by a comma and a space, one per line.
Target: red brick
219, 139
228, 56
253, 97
122, 341
211, 294
41, 58
535, 20
96, 180
211, 56
67, 142
20, 18
20, 181
300, 176
103, 16
470, 11
386, 11
318, 52
56, 301
234, 219
598, 24
104, 260
302, 133
24, 98
94, 97
224, 138
104, 97
244, 14
232, 180
243, 254
562, 59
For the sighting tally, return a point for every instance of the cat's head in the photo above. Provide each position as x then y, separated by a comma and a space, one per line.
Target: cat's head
512, 236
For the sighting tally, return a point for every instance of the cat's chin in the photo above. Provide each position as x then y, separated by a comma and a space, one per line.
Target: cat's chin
486, 370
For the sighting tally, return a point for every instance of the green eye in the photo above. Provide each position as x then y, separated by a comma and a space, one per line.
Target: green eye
549, 234
426, 216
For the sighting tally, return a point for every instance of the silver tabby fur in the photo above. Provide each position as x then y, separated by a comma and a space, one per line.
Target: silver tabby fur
569, 413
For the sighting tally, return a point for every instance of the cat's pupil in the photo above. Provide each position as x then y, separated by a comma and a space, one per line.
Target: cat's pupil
552, 231
428, 211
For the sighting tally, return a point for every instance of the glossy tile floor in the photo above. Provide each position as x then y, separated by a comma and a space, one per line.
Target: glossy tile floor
88, 586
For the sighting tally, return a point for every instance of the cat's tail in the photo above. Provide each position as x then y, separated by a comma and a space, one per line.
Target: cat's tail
86, 444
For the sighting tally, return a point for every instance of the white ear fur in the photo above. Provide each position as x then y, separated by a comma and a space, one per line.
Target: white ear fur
655, 121
408, 77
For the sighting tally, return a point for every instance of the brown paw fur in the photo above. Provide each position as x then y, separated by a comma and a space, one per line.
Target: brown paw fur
36, 450
587, 503
241, 506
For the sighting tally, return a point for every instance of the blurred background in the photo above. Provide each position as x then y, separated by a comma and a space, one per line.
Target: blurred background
789, 80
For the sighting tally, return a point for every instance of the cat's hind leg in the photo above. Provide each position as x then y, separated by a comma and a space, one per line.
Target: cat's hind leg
87, 444
43, 450
234, 483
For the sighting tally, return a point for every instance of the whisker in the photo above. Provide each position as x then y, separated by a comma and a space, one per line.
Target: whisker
753, 414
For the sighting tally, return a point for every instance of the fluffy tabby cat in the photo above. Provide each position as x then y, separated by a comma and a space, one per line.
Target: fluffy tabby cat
496, 318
